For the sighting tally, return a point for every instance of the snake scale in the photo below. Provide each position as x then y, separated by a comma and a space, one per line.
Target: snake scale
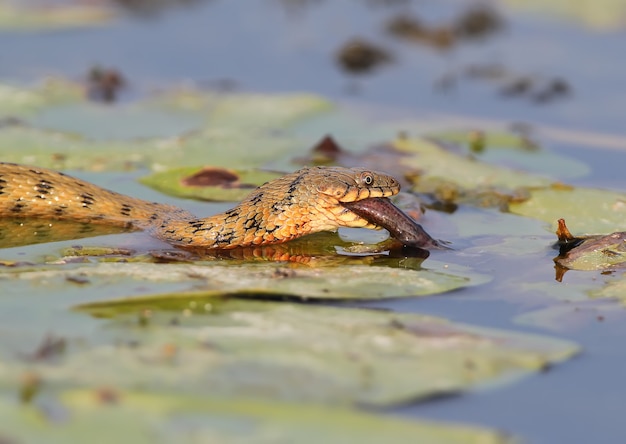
310, 200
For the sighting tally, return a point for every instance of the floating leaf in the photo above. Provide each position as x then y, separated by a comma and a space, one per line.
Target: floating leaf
586, 210
614, 289
176, 182
108, 415
202, 343
441, 166
513, 151
19, 15
271, 280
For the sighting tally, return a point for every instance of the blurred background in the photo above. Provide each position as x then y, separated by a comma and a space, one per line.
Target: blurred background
555, 64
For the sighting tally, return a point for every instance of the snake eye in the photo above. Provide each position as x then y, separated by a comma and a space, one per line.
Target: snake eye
367, 179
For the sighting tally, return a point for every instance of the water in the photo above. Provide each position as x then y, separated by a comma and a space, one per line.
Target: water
267, 46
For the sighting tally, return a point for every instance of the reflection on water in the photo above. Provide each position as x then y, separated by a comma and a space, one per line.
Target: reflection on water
21, 232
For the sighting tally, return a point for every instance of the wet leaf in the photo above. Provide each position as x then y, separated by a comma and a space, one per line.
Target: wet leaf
202, 343
587, 210
615, 289
265, 280
105, 415
602, 15
513, 151
441, 166
574, 316
54, 126
24, 15
595, 253
187, 183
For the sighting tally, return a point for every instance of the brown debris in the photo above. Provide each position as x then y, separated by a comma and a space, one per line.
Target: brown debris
359, 56
411, 29
104, 84
326, 151
475, 23
51, 347
563, 233
478, 22
107, 395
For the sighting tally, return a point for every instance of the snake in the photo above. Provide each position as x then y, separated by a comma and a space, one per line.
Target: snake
309, 200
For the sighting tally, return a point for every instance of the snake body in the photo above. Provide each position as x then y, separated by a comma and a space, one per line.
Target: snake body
307, 201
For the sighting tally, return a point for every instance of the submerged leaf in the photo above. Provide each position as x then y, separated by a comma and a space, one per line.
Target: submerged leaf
202, 343
105, 415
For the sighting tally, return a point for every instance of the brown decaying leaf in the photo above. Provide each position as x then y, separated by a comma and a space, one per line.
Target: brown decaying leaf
563, 233
359, 56
215, 177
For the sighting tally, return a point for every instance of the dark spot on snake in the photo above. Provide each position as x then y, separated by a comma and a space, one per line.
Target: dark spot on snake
294, 185
18, 207
232, 213
36, 172
125, 210
225, 238
154, 216
87, 199
251, 222
257, 198
44, 185
267, 230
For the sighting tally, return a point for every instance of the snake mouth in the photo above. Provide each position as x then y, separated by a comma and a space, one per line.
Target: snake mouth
382, 212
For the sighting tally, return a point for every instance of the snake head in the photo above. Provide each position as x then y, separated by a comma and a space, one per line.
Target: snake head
338, 187
354, 184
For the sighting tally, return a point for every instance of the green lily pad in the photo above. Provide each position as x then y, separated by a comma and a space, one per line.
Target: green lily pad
452, 177
241, 183
266, 280
441, 165
601, 15
615, 289
24, 15
571, 317
117, 122
513, 151
586, 210
203, 343
103, 416
22, 103
180, 128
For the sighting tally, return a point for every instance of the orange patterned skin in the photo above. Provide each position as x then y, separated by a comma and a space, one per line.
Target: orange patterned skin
304, 202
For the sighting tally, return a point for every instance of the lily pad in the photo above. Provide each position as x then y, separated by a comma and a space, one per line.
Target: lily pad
266, 280
614, 289
513, 151
106, 415
586, 210
443, 166
25, 15
53, 126
202, 343
601, 15
241, 182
